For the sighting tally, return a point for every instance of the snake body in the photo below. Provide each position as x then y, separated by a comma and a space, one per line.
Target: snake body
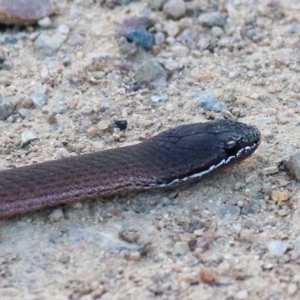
179, 154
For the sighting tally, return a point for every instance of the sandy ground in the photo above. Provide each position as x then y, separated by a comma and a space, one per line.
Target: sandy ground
221, 238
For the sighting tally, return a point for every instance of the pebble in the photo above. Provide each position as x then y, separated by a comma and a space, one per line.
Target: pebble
76, 39
103, 125
217, 31
45, 22
39, 99
17, 12
277, 247
180, 50
212, 19
86, 110
159, 38
149, 71
62, 152
229, 212
133, 255
174, 9
232, 74
292, 289
56, 215
169, 107
142, 38
207, 275
6, 108
186, 36
242, 294
64, 258
44, 72
24, 113
121, 124
130, 236
256, 34
98, 74
293, 165
27, 137
209, 102
282, 212
171, 28
170, 64
64, 29
270, 170
181, 248
279, 196
48, 43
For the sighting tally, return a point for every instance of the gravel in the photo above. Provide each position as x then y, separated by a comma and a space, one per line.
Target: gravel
39, 99
208, 238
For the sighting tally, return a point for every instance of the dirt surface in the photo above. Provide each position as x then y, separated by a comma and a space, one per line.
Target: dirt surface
224, 237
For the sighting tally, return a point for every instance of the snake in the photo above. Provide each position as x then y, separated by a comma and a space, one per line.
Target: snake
177, 155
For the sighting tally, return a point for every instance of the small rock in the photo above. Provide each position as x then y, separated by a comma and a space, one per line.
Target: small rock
232, 74
212, 19
159, 38
103, 125
207, 275
208, 101
256, 34
27, 137
292, 289
64, 29
170, 64
149, 71
169, 107
98, 74
56, 215
45, 22
6, 108
64, 258
44, 72
47, 44
86, 110
172, 29
295, 29
21, 12
277, 247
186, 36
279, 196
141, 38
282, 212
174, 9
181, 248
133, 255
217, 31
130, 236
270, 170
121, 124
76, 39
180, 50
242, 294
229, 212
24, 113
268, 266
293, 165
61, 153
39, 99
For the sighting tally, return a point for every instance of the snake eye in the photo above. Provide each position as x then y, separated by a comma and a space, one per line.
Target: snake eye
230, 144
232, 147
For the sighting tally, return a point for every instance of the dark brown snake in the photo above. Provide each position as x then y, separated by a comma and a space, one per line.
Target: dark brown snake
179, 154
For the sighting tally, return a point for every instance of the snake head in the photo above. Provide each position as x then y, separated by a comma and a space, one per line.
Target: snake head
237, 139
198, 149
